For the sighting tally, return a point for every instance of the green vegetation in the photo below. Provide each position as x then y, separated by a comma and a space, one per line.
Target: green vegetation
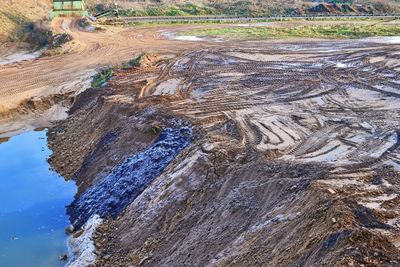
188, 9
337, 31
248, 8
101, 78
135, 61
238, 8
165, 23
154, 130
253, 8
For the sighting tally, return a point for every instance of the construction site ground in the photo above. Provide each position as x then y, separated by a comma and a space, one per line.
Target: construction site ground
292, 157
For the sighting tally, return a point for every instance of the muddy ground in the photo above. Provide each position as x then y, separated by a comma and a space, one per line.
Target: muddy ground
272, 154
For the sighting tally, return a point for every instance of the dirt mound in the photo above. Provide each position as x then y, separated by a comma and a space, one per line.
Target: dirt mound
325, 8
294, 162
36, 105
328, 8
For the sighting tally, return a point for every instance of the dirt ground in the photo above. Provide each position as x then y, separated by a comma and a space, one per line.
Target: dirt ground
295, 159
71, 70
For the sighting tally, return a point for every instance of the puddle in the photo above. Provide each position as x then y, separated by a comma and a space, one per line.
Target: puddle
32, 204
383, 40
168, 87
190, 38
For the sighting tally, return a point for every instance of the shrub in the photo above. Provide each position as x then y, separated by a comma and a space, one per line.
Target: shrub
37, 34
59, 39
101, 78
135, 61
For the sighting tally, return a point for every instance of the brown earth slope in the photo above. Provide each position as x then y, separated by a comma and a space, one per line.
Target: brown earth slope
13, 15
296, 159
72, 71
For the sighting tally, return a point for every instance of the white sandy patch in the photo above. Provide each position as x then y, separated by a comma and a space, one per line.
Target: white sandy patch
168, 87
18, 57
383, 40
340, 65
83, 247
376, 202
386, 143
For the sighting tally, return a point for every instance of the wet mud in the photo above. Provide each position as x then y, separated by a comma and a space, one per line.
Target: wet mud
111, 195
295, 161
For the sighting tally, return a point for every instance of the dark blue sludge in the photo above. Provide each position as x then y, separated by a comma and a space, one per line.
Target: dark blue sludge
127, 181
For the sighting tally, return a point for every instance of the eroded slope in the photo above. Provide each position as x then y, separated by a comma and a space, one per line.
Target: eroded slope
296, 162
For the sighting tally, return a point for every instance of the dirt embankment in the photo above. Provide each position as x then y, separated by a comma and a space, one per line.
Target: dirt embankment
246, 8
35, 112
292, 161
15, 14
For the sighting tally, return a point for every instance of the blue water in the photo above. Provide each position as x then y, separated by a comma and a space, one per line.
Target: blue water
32, 204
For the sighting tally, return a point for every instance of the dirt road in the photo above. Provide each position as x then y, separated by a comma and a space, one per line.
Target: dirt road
71, 71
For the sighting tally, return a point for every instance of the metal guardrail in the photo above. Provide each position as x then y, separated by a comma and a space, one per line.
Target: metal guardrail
239, 18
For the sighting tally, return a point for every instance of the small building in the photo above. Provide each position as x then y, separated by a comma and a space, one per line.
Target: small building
68, 8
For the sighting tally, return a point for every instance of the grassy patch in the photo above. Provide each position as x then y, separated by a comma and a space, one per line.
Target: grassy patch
212, 22
337, 31
188, 9
135, 61
101, 78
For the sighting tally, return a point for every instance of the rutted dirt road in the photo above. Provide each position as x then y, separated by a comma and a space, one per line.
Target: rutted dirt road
28, 89
70, 72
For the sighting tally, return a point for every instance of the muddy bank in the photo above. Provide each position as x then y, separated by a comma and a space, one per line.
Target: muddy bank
35, 112
289, 166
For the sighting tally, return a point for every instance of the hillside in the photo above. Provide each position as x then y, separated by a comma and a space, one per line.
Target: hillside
14, 14
247, 7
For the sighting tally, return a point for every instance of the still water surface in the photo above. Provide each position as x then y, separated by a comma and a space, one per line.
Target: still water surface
32, 204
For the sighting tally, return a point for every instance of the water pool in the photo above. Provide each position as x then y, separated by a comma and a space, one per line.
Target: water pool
32, 204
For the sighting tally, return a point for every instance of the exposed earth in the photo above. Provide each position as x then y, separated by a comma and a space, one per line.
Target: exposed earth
294, 159
235, 153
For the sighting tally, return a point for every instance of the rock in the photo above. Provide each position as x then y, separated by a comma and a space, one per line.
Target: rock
279, 218
241, 158
144, 259
63, 257
69, 230
333, 220
330, 190
78, 233
207, 147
